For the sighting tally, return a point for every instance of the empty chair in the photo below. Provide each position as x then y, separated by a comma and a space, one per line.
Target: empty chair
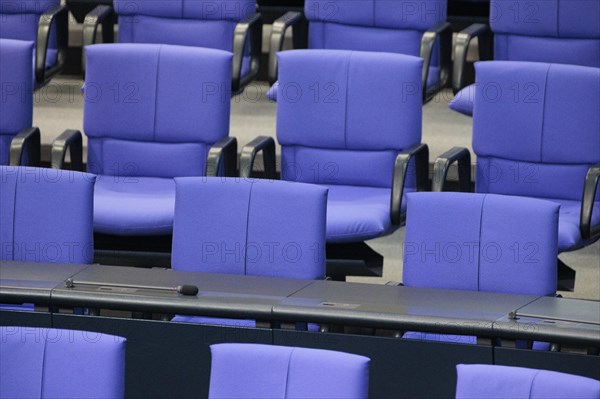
151, 113
263, 371
535, 133
351, 122
482, 381
229, 25
42, 24
19, 141
558, 32
53, 363
258, 228
395, 26
480, 242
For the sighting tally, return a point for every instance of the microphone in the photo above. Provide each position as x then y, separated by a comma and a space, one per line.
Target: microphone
186, 290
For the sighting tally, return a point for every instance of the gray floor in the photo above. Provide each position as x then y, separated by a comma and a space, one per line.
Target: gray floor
59, 106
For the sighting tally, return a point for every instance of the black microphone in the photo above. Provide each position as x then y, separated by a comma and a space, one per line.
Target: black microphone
186, 290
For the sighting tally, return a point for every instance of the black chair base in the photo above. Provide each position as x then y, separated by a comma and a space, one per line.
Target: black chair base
353, 259
566, 277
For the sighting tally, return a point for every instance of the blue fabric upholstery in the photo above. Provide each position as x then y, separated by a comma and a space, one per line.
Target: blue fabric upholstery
261, 228
46, 215
151, 113
16, 83
263, 371
543, 144
342, 118
51, 363
479, 381
551, 31
480, 242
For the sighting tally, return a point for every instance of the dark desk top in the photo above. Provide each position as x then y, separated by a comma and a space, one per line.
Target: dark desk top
138, 289
22, 282
565, 309
397, 307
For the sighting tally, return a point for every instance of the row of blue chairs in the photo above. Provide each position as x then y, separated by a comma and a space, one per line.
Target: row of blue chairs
48, 363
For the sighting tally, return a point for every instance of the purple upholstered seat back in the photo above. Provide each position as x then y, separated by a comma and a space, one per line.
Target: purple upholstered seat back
479, 381
52, 363
555, 31
343, 116
154, 110
372, 25
46, 215
197, 23
16, 85
535, 128
264, 371
481, 242
20, 19
261, 228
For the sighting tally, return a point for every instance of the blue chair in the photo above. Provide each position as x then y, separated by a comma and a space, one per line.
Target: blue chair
229, 25
258, 228
42, 24
52, 363
19, 141
558, 32
151, 113
396, 26
482, 381
263, 371
480, 242
351, 122
538, 141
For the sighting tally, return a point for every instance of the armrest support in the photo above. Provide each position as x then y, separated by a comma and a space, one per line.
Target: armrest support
587, 205
59, 14
267, 146
104, 15
251, 25
461, 48
420, 153
27, 139
442, 164
280, 26
222, 153
69, 140
443, 30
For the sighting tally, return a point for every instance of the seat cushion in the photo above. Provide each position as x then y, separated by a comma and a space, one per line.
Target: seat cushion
569, 235
358, 213
134, 205
463, 101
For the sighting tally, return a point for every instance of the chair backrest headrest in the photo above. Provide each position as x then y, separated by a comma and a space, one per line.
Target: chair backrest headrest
219, 10
52, 363
483, 381
260, 371
546, 18
480, 242
164, 96
46, 215
261, 228
349, 102
400, 14
16, 85
541, 119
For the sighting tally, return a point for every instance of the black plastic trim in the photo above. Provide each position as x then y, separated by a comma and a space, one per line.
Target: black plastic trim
222, 157
442, 164
461, 48
250, 27
28, 139
420, 153
70, 140
587, 205
59, 14
280, 26
248, 156
443, 30
102, 14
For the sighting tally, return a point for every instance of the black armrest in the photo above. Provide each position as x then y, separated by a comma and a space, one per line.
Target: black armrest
59, 14
251, 25
442, 164
69, 140
443, 30
420, 153
587, 205
461, 48
27, 139
104, 15
222, 154
267, 146
280, 26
